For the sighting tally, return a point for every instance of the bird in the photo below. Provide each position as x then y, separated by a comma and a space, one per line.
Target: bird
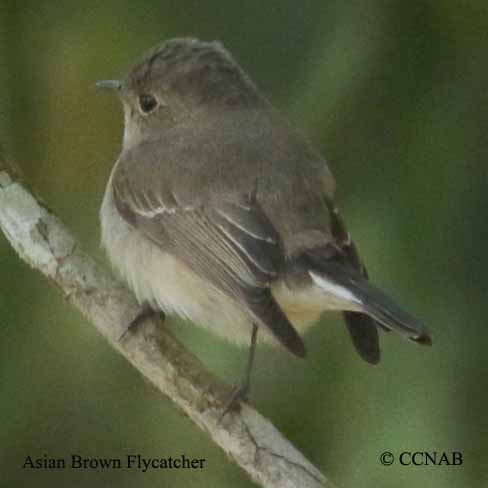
218, 210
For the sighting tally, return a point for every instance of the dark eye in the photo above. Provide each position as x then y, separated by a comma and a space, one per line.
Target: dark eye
147, 102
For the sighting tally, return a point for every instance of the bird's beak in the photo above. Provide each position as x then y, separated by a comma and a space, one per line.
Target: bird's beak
110, 84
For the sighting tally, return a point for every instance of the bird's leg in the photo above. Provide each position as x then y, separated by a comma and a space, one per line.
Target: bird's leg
240, 392
145, 313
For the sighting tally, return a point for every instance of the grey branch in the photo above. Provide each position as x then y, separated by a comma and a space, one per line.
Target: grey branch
47, 245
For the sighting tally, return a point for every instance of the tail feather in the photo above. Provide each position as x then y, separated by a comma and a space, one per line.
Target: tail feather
374, 302
364, 335
384, 310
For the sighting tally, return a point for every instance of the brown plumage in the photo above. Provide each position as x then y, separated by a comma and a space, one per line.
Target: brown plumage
219, 211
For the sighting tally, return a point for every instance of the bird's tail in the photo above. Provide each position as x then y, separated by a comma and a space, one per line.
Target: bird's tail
370, 300
364, 335
391, 316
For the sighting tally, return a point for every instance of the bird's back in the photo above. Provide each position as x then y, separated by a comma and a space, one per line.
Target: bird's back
219, 156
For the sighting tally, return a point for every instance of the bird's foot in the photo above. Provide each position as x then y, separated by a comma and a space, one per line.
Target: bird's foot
233, 404
145, 313
240, 392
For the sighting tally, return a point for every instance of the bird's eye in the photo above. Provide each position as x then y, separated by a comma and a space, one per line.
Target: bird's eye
147, 102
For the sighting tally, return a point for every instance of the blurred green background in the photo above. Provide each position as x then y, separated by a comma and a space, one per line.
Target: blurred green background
396, 95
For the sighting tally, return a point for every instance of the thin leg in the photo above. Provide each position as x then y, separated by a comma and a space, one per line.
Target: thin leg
246, 386
241, 391
145, 313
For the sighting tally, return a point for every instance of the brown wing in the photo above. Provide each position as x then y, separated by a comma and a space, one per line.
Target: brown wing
229, 242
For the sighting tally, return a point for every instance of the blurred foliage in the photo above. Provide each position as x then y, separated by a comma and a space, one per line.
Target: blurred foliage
395, 94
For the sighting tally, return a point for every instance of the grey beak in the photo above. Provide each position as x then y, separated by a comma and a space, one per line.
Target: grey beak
110, 84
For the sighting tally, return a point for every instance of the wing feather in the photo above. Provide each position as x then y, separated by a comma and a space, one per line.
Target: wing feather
228, 241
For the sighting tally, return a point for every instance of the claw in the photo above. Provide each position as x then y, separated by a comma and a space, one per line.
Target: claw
144, 314
233, 404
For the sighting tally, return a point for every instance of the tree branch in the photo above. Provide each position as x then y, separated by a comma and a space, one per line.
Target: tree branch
46, 244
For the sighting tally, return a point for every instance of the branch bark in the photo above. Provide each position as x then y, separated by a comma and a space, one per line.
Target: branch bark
248, 438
